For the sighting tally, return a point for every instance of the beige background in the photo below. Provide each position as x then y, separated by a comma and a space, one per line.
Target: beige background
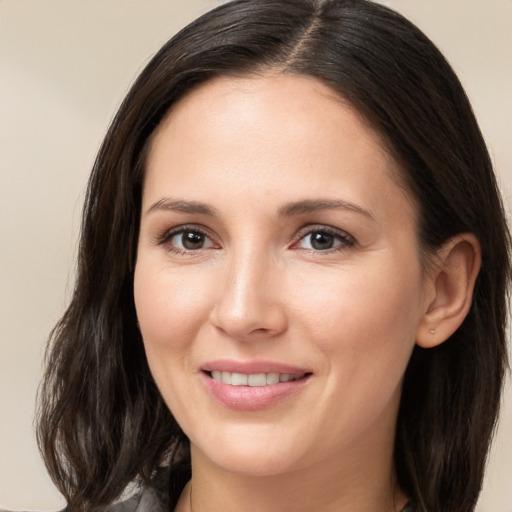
64, 67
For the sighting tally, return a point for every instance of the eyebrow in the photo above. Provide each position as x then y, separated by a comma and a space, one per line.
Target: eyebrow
287, 210
183, 207
313, 205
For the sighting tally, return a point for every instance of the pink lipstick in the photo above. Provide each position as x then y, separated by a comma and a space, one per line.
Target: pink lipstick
252, 385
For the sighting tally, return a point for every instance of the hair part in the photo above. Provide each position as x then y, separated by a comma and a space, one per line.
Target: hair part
102, 421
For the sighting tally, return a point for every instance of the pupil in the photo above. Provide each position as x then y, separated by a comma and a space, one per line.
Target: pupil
192, 240
322, 241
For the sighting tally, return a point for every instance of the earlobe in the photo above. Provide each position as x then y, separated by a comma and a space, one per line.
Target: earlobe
453, 277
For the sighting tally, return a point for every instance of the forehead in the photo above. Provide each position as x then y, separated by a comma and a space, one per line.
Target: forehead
283, 134
251, 102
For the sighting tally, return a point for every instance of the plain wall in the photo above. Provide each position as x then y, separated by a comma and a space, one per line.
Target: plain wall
64, 68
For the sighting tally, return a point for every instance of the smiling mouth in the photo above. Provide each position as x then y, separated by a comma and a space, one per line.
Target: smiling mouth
254, 379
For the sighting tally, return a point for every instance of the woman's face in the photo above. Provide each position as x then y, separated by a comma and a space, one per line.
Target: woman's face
278, 283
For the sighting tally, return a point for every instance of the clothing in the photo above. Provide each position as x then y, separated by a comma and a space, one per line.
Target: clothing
149, 500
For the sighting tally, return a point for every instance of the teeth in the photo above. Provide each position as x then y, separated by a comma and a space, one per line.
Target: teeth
257, 379
239, 379
272, 378
253, 379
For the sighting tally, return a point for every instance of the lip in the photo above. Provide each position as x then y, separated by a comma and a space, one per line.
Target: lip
253, 366
249, 398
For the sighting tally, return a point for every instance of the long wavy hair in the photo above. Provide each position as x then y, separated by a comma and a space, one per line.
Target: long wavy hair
102, 422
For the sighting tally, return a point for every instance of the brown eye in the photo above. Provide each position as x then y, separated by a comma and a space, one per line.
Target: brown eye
190, 240
323, 240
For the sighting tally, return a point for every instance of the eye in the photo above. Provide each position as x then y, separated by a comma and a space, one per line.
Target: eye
191, 240
185, 239
324, 239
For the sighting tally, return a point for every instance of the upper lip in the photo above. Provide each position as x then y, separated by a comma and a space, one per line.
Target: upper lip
252, 367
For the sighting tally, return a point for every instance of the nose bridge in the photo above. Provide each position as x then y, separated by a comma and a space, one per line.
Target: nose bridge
248, 300
248, 274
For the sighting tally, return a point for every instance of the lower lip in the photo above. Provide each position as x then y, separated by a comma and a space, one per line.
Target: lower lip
251, 398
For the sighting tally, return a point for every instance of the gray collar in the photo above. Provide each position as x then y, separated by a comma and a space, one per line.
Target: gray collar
148, 500
151, 501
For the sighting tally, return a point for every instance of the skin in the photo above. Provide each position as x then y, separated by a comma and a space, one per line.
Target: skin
257, 288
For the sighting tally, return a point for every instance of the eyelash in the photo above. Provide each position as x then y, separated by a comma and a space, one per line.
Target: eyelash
345, 241
167, 236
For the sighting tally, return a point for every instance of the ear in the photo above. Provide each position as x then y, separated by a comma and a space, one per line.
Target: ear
452, 278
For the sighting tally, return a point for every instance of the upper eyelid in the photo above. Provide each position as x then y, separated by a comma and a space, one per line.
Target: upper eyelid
306, 230
166, 234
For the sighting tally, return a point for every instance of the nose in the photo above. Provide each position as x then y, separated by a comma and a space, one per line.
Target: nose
249, 303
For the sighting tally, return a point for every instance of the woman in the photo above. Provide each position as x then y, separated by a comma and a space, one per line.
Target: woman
292, 279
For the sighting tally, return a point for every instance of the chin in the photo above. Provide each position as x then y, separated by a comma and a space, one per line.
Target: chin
249, 457
241, 464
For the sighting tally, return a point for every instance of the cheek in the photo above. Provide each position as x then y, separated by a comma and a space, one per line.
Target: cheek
365, 317
170, 306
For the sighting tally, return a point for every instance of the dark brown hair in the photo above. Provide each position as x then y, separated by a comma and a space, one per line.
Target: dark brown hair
102, 422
